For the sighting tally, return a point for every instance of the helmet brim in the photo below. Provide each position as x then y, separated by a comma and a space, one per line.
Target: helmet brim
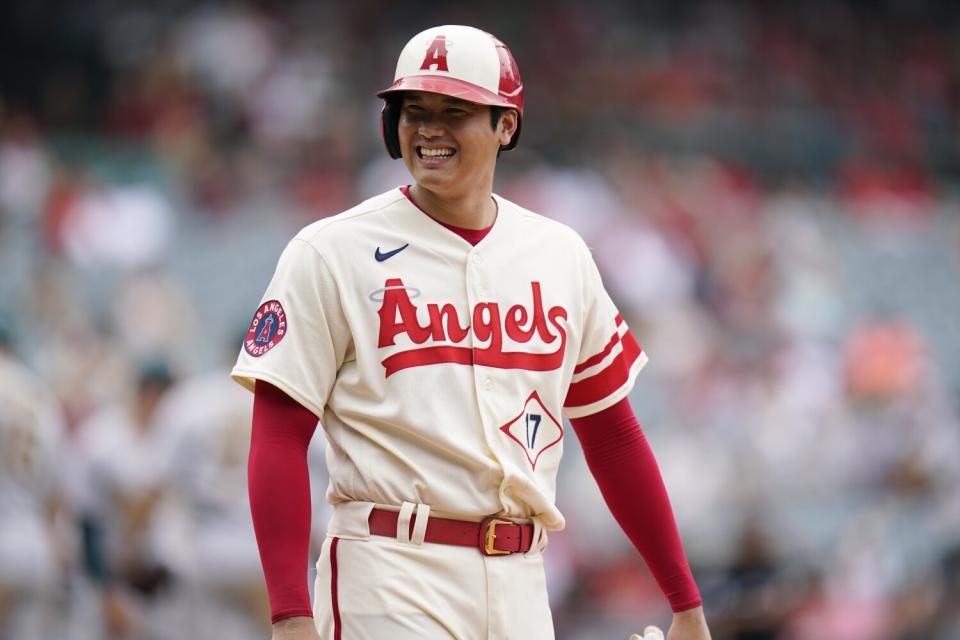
452, 87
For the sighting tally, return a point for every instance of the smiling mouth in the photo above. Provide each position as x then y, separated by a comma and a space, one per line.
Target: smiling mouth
435, 154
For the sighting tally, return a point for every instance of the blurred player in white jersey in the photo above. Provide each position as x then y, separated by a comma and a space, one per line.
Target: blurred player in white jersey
211, 417
31, 551
126, 457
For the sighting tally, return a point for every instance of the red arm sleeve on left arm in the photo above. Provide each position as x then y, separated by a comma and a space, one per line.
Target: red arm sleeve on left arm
623, 465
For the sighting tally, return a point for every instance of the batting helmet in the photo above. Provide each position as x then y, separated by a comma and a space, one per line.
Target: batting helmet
456, 61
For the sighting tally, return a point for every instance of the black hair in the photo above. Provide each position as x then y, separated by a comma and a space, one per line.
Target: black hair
155, 374
495, 113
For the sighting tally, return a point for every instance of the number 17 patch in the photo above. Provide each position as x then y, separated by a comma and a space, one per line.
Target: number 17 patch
535, 429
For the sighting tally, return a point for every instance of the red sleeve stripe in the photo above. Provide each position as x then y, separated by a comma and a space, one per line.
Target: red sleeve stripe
611, 357
596, 359
615, 375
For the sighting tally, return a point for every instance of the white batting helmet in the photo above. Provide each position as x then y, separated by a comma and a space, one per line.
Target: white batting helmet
456, 61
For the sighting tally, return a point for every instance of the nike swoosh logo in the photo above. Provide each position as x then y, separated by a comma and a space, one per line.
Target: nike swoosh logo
389, 254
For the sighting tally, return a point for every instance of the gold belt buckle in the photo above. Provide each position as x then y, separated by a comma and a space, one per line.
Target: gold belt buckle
491, 535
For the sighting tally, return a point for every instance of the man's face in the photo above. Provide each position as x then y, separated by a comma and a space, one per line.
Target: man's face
449, 145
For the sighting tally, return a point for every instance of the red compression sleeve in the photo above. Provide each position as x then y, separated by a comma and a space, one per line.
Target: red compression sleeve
279, 486
623, 465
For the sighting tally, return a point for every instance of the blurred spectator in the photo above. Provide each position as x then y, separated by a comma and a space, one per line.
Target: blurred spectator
152, 313
754, 599
25, 171
112, 225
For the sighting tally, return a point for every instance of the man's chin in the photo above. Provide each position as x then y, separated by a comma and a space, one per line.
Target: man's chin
435, 181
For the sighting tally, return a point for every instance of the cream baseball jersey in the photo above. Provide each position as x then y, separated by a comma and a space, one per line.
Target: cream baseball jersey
441, 370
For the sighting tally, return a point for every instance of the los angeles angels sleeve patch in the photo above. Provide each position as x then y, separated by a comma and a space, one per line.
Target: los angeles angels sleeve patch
267, 329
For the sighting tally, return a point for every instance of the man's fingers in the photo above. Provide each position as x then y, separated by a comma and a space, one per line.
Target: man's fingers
650, 633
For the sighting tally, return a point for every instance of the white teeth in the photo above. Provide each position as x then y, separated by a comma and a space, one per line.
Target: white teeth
436, 153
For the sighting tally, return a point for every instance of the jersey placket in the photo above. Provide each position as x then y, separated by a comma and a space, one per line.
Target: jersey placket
478, 291
485, 384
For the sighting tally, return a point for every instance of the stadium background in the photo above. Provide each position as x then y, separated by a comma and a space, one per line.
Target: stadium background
770, 189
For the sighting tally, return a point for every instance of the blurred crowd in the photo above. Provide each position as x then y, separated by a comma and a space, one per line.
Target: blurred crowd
769, 189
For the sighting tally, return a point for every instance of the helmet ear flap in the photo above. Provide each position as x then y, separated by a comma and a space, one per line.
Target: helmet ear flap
389, 123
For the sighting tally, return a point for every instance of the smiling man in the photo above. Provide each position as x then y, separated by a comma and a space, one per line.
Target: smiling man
440, 333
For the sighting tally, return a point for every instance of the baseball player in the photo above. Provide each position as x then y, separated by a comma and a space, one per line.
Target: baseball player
440, 333
125, 458
32, 550
208, 477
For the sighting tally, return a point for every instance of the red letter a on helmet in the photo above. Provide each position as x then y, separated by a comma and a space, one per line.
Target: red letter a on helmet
436, 54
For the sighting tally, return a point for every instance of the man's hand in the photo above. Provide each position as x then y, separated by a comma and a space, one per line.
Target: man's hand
118, 613
298, 628
689, 625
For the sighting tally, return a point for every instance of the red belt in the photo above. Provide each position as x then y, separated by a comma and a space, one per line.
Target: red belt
493, 536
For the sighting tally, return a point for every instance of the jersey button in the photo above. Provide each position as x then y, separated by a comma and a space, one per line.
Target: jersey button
488, 384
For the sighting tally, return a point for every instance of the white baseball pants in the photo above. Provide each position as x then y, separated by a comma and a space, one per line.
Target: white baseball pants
372, 587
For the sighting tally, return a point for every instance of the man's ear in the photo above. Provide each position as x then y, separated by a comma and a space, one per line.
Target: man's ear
507, 126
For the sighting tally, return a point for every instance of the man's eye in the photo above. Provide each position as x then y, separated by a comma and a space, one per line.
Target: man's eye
456, 112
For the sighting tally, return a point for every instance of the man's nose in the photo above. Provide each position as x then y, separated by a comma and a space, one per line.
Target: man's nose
430, 127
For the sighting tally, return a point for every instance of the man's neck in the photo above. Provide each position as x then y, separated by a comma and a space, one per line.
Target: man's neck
474, 211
